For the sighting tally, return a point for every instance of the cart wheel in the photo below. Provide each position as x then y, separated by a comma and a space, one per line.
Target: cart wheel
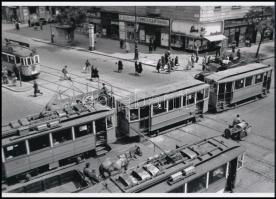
227, 133
242, 135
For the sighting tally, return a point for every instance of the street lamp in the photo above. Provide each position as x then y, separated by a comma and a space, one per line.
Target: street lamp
136, 57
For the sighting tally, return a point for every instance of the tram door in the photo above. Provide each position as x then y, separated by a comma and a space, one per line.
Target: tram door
266, 82
229, 92
232, 172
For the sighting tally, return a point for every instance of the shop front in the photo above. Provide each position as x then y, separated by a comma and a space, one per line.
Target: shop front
154, 29
239, 31
189, 36
110, 25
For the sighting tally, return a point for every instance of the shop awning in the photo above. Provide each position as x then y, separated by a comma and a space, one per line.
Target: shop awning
215, 37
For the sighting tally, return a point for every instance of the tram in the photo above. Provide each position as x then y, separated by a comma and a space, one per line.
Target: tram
237, 85
159, 109
44, 141
206, 166
20, 59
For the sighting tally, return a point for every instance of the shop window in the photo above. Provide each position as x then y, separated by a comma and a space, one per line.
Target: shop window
15, 150
199, 95
248, 81
159, 108
134, 114
197, 184
17, 59
39, 142
4, 57
258, 78
11, 59
191, 99
144, 111
109, 121
184, 100
206, 93
83, 130
144, 124
62, 136
240, 161
217, 174
239, 84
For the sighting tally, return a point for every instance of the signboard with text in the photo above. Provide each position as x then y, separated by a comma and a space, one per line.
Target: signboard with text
146, 20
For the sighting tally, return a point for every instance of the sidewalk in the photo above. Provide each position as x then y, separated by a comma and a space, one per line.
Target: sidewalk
17, 88
111, 48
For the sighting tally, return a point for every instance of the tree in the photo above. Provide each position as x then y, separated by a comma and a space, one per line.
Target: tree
257, 17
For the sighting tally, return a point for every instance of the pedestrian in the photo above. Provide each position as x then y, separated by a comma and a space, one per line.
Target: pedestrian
196, 54
158, 66
65, 73
172, 63
36, 90
192, 60
239, 54
154, 44
163, 62
127, 47
104, 89
29, 22
92, 72
218, 51
17, 25
120, 66
96, 73
140, 68
86, 67
150, 48
237, 120
41, 25
14, 79
91, 174
121, 44
136, 68
176, 63
203, 64
5, 77
52, 37
233, 47
205, 58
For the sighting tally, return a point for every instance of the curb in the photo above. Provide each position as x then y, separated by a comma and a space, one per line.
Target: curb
84, 50
14, 90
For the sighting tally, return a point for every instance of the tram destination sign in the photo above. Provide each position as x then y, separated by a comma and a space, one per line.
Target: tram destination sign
146, 20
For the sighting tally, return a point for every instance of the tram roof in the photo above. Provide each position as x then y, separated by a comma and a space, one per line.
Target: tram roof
239, 72
189, 84
17, 50
213, 152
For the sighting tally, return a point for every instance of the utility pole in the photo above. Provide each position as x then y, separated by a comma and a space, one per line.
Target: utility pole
136, 57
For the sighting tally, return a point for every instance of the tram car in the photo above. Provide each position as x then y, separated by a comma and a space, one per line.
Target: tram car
44, 141
237, 85
21, 60
158, 109
205, 166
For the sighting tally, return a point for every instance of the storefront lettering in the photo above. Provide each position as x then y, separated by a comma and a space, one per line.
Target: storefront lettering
146, 20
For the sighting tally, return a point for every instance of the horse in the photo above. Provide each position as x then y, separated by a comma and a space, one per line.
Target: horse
107, 166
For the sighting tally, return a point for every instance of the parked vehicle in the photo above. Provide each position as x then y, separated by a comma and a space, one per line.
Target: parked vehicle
238, 131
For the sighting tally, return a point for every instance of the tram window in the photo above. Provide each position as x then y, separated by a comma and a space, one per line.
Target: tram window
15, 150
177, 102
239, 84
259, 78
39, 142
134, 114
206, 93
217, 174
83, 130
191, 99
62, 136
159, 108
144, 111
199, 95
170, 104
240, 161
184, 100
248, 81
36, 59
197, 184
17, 59
215, 87
109, 122
11, 59
4, 57
29, 61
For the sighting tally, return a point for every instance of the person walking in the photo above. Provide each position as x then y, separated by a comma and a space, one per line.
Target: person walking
41, 25
91, 174
86, 67
65, 73
36, 90
121, 44
92, 72
140, 68
197, 58
163, 62
120, 66
127, 47
17, 25
239, 54
154, 44
176, 62
29, 22
192, 60
136, 68
158, 66
96, 73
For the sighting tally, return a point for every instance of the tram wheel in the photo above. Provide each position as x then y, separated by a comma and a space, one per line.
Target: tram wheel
227, 133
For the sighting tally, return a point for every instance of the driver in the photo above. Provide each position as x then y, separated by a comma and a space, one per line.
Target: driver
237, 120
